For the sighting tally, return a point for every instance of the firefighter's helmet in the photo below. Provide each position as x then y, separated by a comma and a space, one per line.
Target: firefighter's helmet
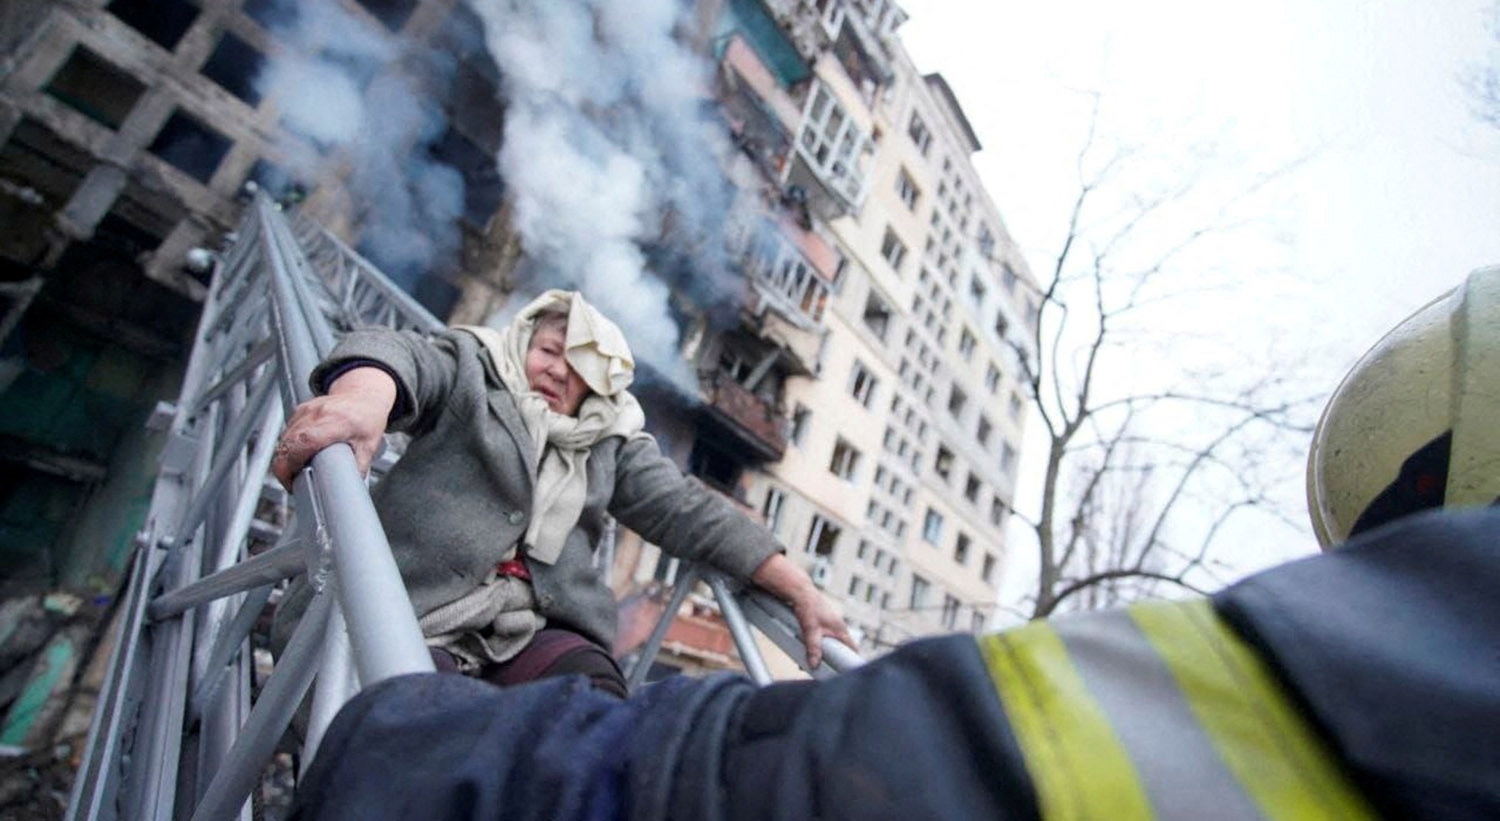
1416, 423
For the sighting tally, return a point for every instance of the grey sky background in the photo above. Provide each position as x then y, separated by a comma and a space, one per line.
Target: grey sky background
1395, 192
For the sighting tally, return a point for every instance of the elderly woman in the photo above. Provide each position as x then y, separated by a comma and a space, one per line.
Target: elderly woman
522, 441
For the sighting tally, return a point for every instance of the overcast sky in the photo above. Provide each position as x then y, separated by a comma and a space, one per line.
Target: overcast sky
1402, 196
1398, 197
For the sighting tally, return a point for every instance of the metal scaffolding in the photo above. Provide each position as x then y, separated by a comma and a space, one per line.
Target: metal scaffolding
184, 726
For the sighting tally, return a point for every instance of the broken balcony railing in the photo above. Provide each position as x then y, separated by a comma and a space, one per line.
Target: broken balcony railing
183, 726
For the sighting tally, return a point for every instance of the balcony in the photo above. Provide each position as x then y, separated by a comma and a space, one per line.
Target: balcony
785, 280
757, 38
748, 419
830, 156
757, 124
864, 58
787, 271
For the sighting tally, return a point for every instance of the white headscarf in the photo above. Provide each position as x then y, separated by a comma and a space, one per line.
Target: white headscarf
596, 349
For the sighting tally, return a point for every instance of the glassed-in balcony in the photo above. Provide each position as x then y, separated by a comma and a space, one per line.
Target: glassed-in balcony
786, 280
832, 150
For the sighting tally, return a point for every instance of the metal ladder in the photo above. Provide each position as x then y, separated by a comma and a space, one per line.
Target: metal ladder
180, 730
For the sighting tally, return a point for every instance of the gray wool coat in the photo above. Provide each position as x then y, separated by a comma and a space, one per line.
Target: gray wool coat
460, 497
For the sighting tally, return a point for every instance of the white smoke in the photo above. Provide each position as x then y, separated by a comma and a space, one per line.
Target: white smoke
318, 100
605, 142
409, 204
348, 86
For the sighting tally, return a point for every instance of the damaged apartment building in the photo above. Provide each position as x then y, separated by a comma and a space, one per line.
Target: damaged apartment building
859, 397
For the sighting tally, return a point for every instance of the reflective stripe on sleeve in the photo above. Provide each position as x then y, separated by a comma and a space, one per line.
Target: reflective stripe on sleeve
1179, 767
1159, 711
1075, 761
1262, 739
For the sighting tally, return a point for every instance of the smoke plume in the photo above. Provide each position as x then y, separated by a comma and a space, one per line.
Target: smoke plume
357, 93
611, 162
610, 159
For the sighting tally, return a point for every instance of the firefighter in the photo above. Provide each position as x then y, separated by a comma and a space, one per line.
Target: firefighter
1360, 683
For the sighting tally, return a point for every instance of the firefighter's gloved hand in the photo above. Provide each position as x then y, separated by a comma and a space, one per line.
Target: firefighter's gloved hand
354, 411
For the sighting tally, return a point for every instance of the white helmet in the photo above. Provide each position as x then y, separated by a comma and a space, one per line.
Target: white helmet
1416, 423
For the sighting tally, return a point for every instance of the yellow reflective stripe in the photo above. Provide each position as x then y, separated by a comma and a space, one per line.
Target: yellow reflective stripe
1075, 760
1275, 755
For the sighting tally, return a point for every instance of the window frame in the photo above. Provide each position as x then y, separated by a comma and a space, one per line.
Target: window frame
892, 249
932, 527
844, 460
863, 383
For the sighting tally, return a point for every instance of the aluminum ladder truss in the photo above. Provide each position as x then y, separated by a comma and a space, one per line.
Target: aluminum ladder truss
184, 727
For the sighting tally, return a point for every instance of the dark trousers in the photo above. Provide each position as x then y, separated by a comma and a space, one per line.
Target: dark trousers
553, 651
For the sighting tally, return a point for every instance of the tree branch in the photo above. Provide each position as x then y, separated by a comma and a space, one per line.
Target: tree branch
1074, 587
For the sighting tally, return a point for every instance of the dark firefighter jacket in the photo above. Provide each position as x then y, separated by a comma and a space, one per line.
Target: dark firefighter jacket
1360, 683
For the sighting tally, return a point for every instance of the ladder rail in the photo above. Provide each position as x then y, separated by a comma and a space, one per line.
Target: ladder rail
744, 606
167, 682
739, 630
97, 785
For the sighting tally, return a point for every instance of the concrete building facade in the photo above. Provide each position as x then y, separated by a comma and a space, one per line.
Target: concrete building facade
912, 415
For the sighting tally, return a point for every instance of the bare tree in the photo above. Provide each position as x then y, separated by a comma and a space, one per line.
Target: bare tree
1143, 471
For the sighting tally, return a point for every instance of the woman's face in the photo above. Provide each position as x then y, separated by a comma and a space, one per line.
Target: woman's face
549, 374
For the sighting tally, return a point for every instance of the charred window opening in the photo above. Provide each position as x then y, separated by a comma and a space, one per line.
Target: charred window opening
163, 21
93, 87
483, 188
102, 293
234, 65
752, 367
190, 146
392, 14
151, 208
48, 163
124, 238
473, 105
715, 466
